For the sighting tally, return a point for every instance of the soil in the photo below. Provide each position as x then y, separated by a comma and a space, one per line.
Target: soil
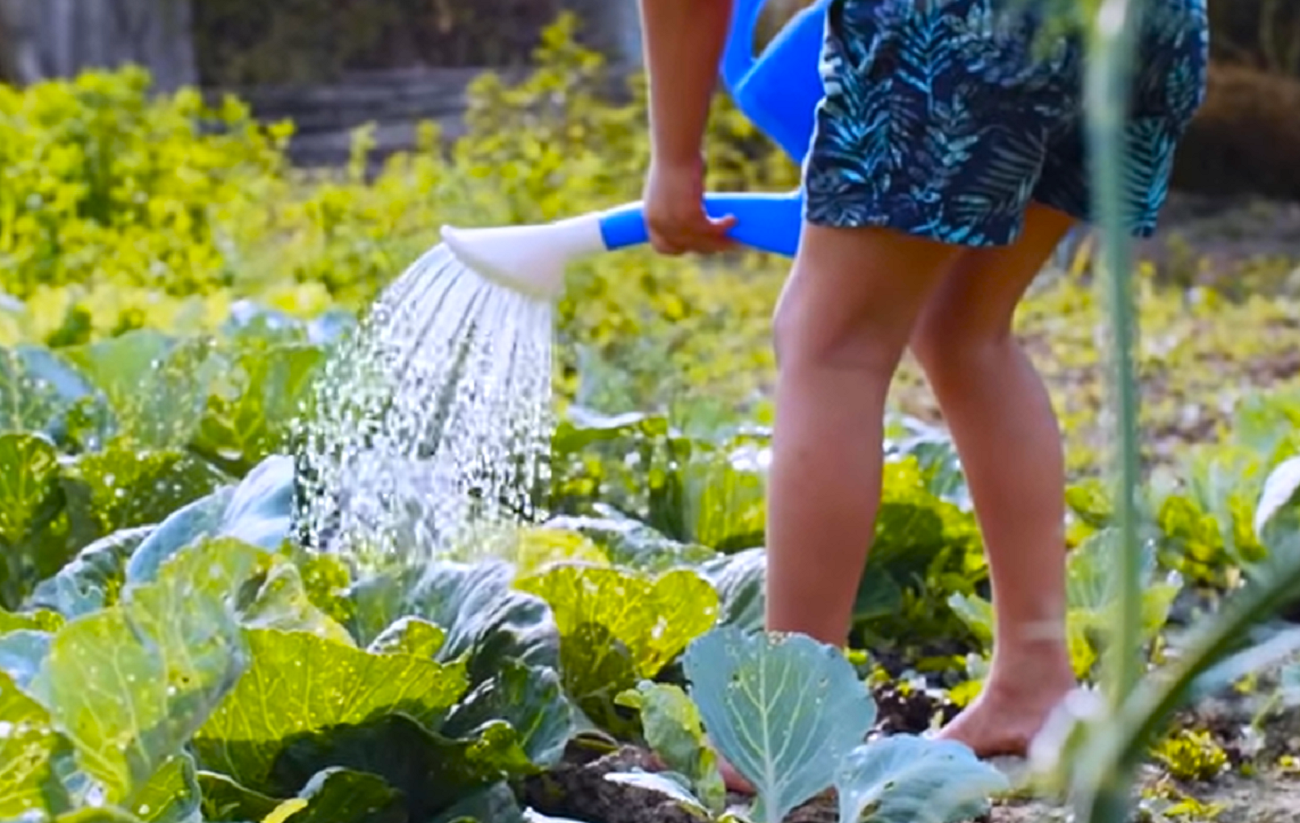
577, 790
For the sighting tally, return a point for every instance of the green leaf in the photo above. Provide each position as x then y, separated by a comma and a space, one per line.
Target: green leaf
29, 467
410, 635
41, 620
156, 386
433, 772
251, 419
652, 618
105, 814
297, 684
29, 751
225, 801
92, 580
22, 652
171, 795
35, 391
739, 580
496, 803
130, 684
181, 528
674, 729
281, 602
666, 783
486, 622
256, 512
129, 488
338, 795
628, 542
907, 779
531, 700
783, 710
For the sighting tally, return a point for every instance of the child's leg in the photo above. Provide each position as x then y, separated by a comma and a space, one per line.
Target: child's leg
841, 327
1006, 432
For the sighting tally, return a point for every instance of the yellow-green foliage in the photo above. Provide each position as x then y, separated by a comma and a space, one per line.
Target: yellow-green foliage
1191, 755
120, 210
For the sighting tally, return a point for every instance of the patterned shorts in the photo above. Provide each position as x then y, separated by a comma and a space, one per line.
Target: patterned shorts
946, 118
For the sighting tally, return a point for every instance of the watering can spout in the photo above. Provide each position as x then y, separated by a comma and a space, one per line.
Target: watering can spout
530, 259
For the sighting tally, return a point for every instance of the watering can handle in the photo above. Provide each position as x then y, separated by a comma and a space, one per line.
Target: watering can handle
767, 221
738, 53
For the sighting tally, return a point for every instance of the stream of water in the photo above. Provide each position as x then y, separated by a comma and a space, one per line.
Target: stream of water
432, 423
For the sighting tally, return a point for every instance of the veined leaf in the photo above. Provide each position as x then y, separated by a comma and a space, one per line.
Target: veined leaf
907, 779
129, 685
93, 579
739, 580
258, 512
29, 466
171, 795
157, 386
410, 635
35, 391
783, 710
30, 749
531, 700
128, 488
617, 627
297, 684
485, 620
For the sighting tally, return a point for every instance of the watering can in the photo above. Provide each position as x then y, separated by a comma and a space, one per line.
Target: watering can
777, 90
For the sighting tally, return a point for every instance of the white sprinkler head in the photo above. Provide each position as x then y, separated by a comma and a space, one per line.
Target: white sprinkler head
529, 259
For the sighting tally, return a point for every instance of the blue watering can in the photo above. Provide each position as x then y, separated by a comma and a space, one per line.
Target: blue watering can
777, 90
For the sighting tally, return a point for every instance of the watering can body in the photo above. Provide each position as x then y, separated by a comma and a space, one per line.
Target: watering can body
779, 89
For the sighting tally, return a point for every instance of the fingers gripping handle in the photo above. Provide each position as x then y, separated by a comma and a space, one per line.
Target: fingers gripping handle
765, 221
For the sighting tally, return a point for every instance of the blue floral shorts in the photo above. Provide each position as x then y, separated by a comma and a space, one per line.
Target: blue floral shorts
947, 118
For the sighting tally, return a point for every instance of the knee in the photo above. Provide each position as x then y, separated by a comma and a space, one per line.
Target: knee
951, 349
868, 348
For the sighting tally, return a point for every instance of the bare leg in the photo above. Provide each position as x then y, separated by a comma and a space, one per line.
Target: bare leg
1006, 432
841, 327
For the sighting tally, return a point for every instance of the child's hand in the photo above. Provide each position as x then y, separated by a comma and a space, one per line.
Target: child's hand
674, 210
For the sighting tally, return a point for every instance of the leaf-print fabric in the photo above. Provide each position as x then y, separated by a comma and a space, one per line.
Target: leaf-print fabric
946, 118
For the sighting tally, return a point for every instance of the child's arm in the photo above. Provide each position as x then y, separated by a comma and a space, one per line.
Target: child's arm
683, 40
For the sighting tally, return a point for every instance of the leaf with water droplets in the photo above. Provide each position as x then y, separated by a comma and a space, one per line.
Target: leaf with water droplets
251, 420
129, 685
298, 684
908, 779
30, 751
650, 620
156, 385
92, 580
126, 487
171, 795
409, 635
29, 468
783, 710
36, 389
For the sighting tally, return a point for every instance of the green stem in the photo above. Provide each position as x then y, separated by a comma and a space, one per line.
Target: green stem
1107, 97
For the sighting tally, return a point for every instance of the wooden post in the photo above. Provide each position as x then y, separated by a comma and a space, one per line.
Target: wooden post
43, 39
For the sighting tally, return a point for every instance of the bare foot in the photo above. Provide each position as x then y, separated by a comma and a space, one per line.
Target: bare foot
1011, 710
